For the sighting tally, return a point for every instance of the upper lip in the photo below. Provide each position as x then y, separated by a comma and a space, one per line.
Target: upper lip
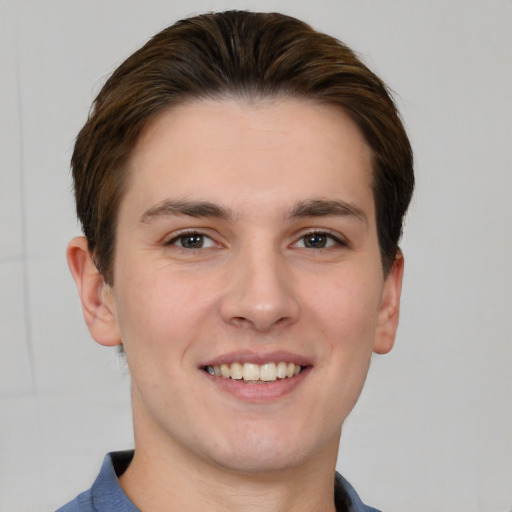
258, 358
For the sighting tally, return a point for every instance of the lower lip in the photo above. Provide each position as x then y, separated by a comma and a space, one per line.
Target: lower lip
258, 393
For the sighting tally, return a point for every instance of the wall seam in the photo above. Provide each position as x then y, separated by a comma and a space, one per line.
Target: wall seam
23, 214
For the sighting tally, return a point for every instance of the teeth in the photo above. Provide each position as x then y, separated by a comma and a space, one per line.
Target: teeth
236, 371
281, 370
251, 372
225, 371
268, 372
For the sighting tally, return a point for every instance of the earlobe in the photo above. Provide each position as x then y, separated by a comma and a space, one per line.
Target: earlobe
390, 307
95, 295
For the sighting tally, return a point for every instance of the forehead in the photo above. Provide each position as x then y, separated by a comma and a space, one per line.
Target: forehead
251, 151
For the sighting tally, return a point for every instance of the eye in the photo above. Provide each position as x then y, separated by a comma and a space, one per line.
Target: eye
318, 241
192, 241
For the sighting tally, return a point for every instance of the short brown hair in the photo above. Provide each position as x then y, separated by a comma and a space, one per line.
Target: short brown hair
234, 54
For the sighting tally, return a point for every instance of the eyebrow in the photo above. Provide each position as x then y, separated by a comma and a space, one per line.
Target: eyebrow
309, 208
327, 208
190, 208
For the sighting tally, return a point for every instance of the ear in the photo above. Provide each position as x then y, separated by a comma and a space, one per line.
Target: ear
96, 296
387, 322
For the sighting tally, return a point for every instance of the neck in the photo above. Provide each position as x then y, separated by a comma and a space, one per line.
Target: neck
169, 480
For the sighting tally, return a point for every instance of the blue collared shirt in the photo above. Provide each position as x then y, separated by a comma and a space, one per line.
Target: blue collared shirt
106, 495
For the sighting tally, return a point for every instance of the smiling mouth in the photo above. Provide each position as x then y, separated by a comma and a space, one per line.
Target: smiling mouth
255, 373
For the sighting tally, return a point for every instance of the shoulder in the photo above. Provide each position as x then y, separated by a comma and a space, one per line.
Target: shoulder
82, 503
105, 495
348, 498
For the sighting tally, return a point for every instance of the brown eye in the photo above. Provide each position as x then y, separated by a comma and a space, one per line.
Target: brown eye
316, 241
319, 240
192, 241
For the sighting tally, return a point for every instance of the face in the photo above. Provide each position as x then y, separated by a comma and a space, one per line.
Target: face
248, 288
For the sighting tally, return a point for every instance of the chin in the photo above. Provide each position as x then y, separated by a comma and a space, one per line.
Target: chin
258, 462
264, 452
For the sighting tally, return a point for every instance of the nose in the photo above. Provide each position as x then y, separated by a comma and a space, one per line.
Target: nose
259, 294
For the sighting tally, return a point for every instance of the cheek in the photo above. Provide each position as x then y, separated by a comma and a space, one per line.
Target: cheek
348, 319
162, 309
348, 306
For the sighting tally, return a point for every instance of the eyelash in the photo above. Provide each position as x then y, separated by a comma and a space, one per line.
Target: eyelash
189, 234
337, 241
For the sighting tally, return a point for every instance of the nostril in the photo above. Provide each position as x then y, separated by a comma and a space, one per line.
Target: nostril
259, 324
239, 321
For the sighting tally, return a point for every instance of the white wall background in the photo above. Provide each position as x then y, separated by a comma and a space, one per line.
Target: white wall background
433, 429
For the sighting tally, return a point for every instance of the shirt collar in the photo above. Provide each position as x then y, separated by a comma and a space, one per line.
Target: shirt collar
107, 494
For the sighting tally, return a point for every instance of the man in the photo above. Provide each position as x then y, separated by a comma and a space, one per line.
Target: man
241, 183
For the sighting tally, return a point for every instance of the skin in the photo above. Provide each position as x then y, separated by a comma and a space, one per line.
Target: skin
256, 288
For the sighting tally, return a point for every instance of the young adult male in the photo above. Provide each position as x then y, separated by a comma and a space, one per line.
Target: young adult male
241, 182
